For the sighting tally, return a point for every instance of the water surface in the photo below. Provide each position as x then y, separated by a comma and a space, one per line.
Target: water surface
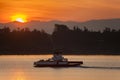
94, 68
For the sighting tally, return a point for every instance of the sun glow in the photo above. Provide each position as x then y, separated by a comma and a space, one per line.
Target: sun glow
19, 18
18, 75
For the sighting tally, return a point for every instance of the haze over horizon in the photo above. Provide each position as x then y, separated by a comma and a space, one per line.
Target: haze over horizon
63, 10
48, 26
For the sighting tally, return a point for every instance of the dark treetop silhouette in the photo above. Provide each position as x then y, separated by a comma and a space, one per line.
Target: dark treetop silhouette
71, 41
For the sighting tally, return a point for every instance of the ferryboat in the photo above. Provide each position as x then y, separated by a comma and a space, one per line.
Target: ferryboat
57, 61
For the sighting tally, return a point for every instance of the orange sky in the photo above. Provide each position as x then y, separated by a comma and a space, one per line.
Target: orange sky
75, 10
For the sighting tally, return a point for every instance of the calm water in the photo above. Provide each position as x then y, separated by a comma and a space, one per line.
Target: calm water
94, 68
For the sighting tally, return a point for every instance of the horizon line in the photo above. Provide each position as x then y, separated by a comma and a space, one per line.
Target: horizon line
63, 20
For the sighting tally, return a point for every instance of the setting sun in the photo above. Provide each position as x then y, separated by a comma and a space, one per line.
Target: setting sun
19, 18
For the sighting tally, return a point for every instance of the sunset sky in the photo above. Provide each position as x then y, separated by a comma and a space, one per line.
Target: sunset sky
65, 10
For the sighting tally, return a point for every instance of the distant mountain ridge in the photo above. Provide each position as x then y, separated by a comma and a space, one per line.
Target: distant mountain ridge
48, 26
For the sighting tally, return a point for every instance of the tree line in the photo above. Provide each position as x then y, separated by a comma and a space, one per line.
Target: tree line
71, 41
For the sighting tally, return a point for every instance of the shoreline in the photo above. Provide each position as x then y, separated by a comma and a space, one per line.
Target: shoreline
62, 54
48, 52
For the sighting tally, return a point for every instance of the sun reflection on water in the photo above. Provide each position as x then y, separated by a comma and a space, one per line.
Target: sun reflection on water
19, 75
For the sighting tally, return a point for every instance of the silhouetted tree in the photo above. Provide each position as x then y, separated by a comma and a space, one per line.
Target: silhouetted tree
76, 39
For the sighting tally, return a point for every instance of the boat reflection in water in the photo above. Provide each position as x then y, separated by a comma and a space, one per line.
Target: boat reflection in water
57, 61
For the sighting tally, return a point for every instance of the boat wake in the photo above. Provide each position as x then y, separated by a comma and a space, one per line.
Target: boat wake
99, 67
